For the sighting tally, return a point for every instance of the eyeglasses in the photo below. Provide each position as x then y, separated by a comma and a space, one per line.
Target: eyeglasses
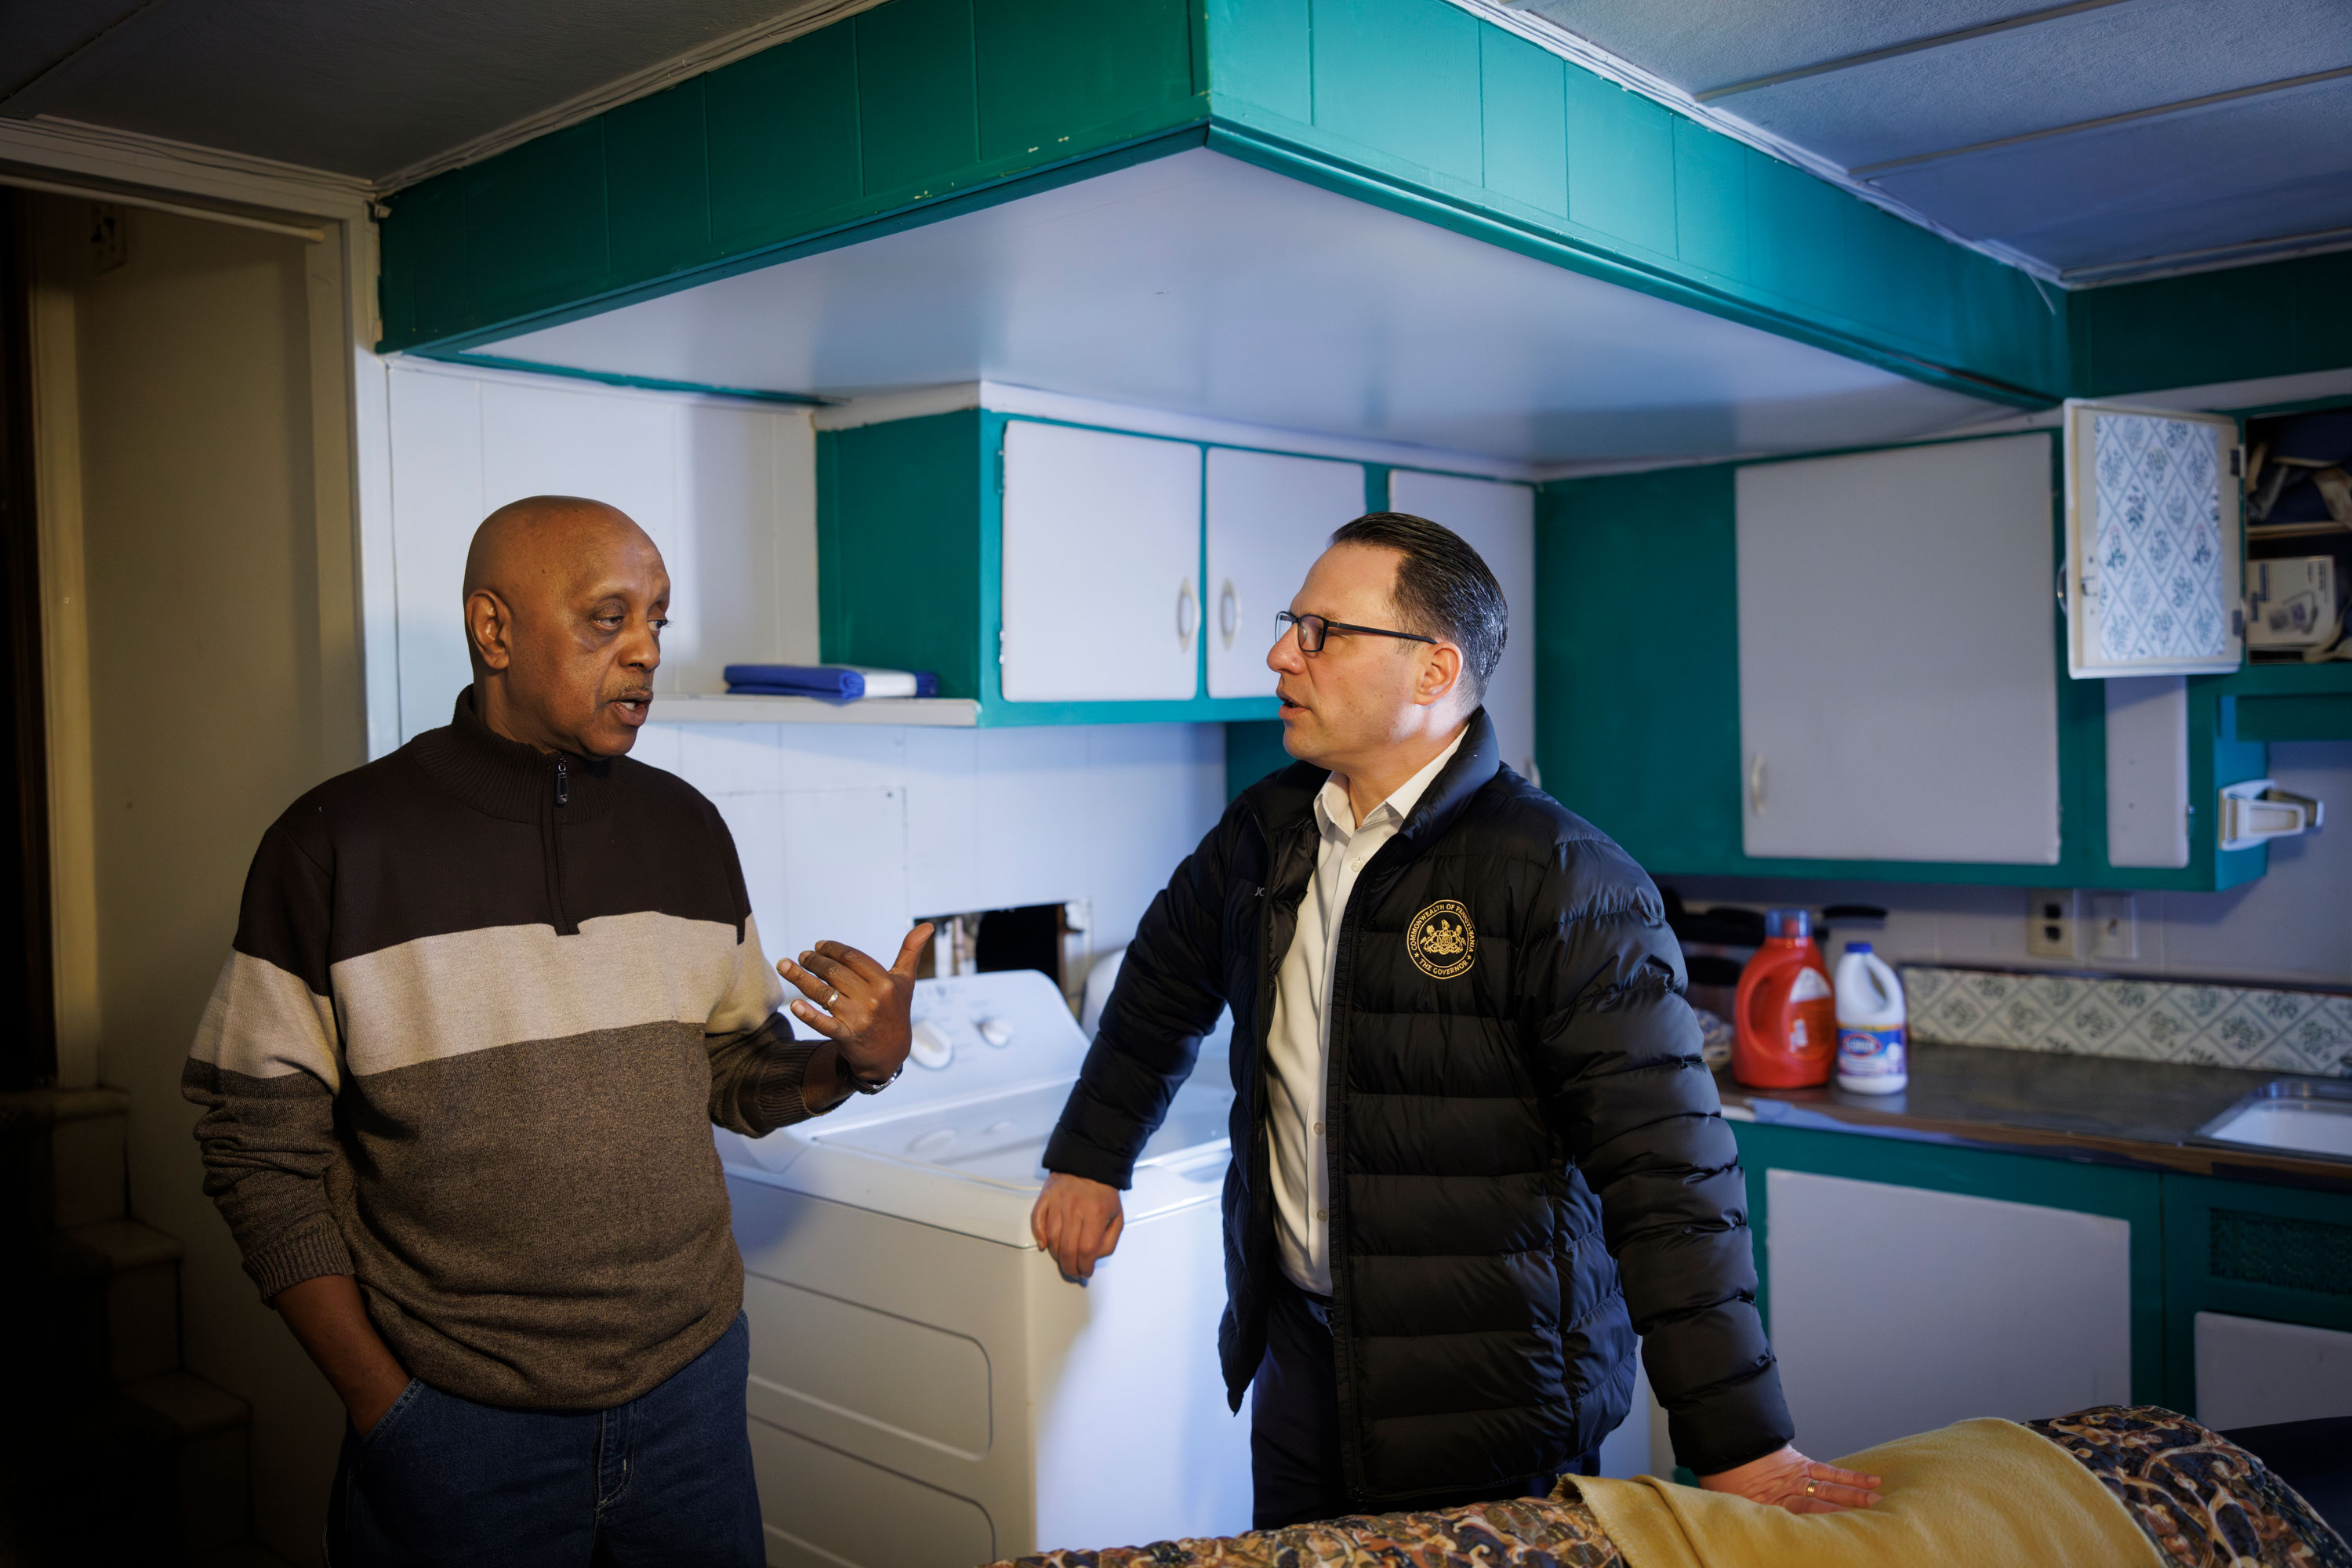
1313, 629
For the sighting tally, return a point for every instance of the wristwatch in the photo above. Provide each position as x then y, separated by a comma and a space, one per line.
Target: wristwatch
863, 1086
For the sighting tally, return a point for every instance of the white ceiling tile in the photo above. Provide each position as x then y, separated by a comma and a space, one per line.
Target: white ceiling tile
2113, 61
1698, 46
2250, 169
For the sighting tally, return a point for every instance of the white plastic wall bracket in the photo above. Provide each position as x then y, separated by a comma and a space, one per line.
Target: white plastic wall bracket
2258, 811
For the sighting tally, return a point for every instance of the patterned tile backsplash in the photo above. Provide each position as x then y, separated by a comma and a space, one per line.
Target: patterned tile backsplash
2153, 1020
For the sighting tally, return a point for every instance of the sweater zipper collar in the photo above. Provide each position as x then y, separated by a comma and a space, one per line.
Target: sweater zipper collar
551, 848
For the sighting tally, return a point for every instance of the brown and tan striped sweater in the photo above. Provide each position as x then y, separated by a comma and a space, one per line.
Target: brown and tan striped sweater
482, 1008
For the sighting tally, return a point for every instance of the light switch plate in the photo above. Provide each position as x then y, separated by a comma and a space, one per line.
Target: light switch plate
2115, 926
2050, 922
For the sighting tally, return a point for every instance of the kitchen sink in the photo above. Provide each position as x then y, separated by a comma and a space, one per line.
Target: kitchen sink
2306, 1116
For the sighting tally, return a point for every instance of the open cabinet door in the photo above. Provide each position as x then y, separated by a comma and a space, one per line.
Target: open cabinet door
2154, 542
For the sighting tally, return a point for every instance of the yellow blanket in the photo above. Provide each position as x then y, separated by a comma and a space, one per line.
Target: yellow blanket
1978, 1492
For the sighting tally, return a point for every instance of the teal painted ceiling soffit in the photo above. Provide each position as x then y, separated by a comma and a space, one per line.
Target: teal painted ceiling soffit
919, 109
2274, 318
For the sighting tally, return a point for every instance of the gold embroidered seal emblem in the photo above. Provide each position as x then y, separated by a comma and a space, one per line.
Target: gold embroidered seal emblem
1442, 939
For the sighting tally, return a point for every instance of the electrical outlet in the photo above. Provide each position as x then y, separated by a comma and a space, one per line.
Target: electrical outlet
2115, 926
2050, 922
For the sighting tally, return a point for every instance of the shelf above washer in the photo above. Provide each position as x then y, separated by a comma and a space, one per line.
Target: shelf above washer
960, 712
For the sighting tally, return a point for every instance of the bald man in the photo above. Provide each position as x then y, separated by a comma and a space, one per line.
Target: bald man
486, 998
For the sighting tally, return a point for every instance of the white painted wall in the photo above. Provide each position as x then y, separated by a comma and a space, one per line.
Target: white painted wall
850, 831
2293, 925
726, 487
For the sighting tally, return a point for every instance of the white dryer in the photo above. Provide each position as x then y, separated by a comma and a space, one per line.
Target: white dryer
927, 1392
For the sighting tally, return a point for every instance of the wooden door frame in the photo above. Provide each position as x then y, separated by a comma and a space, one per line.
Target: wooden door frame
29, 1053
351, 475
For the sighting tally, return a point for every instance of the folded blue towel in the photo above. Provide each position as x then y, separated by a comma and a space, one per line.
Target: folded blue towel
839, 682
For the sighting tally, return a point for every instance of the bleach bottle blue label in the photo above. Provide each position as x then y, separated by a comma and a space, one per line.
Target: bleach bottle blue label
1873, 1028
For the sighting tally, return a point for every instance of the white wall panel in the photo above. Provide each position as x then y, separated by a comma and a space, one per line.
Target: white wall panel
1032, 792
1150, 792
726, 759
847, 830
1499, 520
436, 503
725, 489
845, 870
1898, 654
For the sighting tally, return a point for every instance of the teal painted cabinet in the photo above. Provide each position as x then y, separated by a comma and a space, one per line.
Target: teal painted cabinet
1059, 572
912, 571
2058, 1188
2275, 1253
1639, 722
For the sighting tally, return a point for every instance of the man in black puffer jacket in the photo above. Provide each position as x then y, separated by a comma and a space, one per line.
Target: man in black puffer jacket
1475, 1150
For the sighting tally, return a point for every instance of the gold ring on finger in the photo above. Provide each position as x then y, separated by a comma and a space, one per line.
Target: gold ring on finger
1809, 1487
834, 997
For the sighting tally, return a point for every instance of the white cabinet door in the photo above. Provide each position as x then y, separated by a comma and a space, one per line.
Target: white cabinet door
1102, 552
1269, 518
2148, 770
1896, 1310
2254, 1373
1499, 520
1898, 686
2154, 540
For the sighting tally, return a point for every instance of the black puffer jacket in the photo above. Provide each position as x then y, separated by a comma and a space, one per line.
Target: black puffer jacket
1518, 1115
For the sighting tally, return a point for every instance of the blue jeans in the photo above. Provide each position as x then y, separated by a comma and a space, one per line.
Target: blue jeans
663, 1480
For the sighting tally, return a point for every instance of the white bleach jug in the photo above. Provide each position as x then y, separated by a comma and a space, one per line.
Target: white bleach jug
1873, 1034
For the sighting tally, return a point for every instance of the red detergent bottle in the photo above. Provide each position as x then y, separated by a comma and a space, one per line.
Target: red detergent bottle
1784, 1018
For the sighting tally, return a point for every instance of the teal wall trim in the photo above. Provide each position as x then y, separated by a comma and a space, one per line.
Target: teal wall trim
895, 109
1640, 733
612, 378
919, 108
2276, 318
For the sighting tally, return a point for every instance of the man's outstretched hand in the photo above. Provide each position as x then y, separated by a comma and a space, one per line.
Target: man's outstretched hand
1786, 1478
860, 1006
1077, 1221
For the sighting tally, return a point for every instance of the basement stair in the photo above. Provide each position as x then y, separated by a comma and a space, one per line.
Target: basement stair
112, 1451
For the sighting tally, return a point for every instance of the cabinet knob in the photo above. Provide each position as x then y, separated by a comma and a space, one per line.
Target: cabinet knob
1229, 612
1756, 783
1187, 613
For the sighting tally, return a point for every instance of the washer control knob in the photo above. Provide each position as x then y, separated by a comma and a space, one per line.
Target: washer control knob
931, 1047
996, 1032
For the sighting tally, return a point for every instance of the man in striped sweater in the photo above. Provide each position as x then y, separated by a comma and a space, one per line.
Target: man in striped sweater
486, 996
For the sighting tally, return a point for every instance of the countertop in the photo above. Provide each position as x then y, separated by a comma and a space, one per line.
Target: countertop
2106, 1110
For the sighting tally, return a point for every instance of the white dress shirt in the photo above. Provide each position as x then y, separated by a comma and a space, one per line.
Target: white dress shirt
1300, 1032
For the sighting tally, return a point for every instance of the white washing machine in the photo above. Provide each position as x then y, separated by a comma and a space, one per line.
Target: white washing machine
927, 1392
